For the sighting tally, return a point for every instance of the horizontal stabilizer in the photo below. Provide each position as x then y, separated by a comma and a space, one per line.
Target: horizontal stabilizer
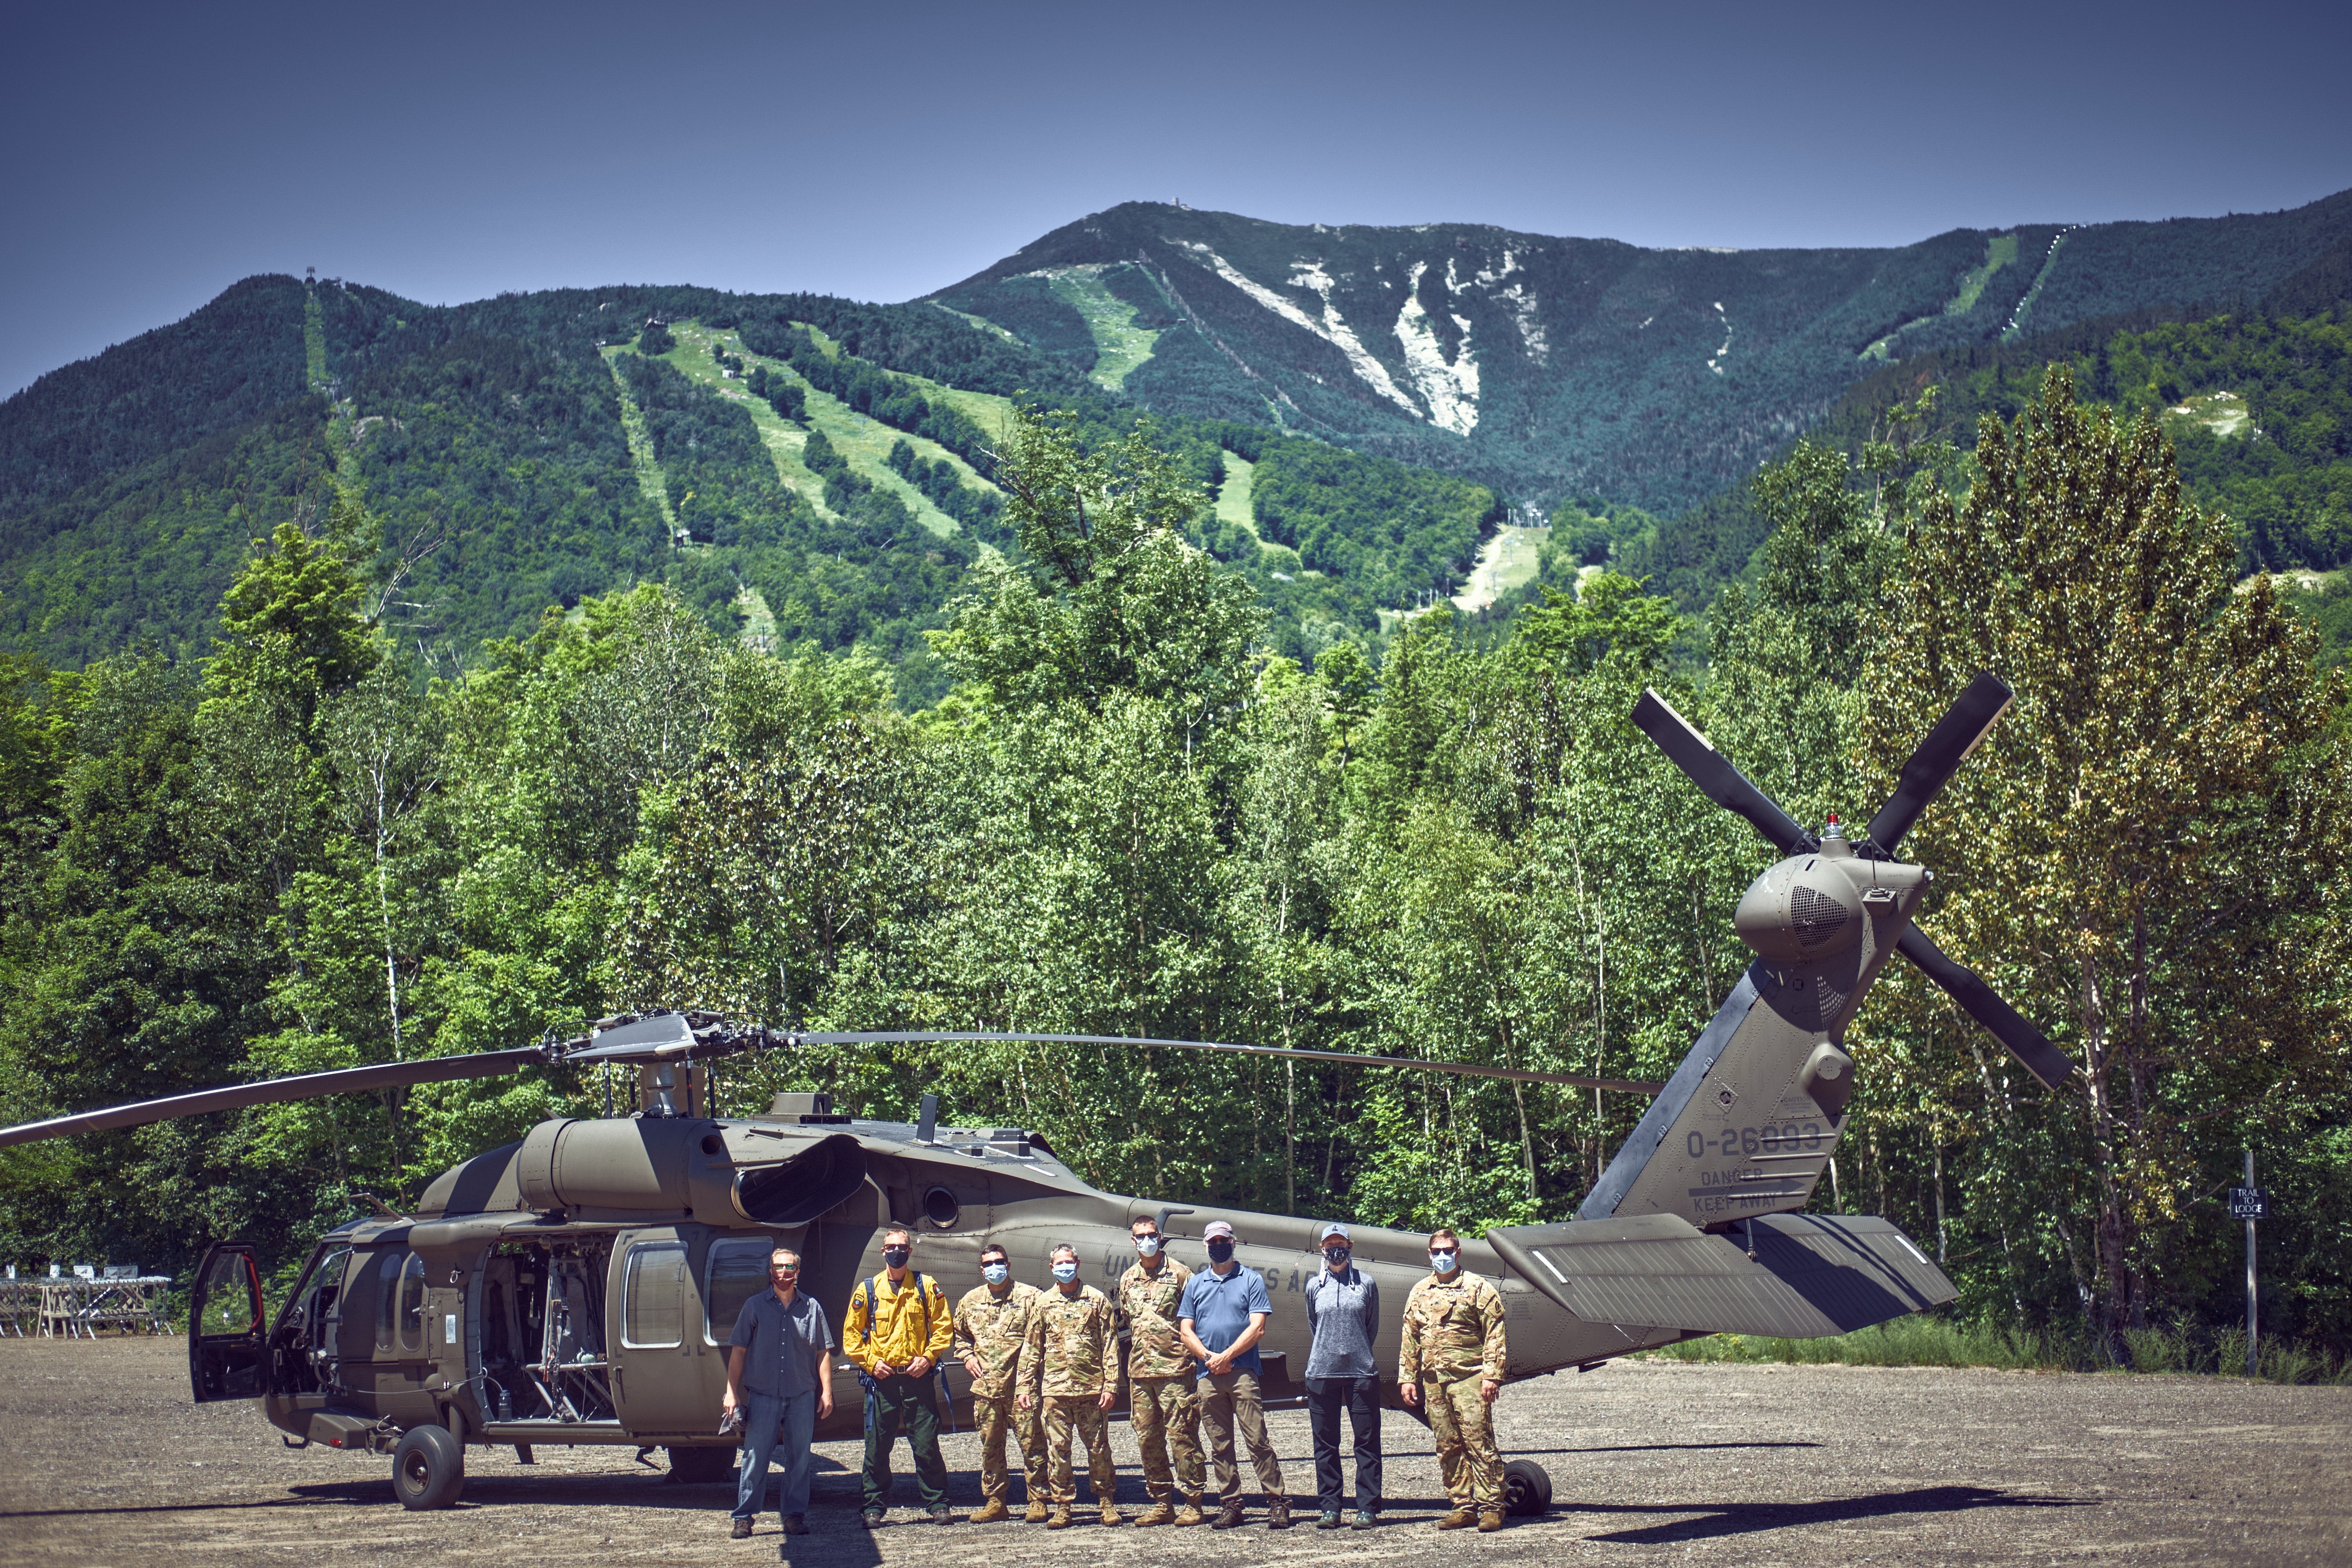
1813, 1276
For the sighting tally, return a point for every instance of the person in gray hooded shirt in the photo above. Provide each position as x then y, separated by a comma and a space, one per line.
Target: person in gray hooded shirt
1343, 1318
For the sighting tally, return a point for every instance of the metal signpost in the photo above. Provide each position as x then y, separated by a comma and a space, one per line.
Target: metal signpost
2250, 1202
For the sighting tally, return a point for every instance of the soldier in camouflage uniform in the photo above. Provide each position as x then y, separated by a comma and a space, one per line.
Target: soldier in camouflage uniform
1073, 1346
1452, 1361
992, 1335
1159, 1374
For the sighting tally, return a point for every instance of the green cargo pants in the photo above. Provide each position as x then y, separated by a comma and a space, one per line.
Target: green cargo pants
908, 1404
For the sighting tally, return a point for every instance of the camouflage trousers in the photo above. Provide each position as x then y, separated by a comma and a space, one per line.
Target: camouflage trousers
995, 1418
1464, 1425
1063, 1413
1167, 1420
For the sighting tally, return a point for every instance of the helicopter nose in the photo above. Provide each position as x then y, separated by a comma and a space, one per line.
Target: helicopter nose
1799, 910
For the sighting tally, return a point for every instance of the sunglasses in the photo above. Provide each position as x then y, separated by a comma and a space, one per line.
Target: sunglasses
784, 1269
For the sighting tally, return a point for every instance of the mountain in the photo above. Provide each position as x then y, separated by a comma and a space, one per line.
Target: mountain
1364, 407
801, 468
1551, 367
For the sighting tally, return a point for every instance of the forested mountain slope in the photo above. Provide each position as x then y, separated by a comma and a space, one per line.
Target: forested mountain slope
1552, 366
770, 460
1364, 407
2258, 403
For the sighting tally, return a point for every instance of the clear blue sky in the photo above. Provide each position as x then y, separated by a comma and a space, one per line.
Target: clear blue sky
156, 154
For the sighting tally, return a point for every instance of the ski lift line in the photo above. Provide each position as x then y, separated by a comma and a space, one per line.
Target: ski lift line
1353, 1058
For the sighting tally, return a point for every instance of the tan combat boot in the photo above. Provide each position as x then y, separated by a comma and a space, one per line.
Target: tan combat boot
1110, 1514
1460, 1519
991, 1511
1190, 1514
1491, 1520
1160, 1512
1060, 1520
1036, 1514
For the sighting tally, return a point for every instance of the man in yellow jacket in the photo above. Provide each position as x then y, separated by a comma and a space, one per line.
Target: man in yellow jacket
897, 1329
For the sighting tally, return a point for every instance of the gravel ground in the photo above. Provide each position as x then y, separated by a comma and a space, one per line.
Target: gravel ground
107, 1462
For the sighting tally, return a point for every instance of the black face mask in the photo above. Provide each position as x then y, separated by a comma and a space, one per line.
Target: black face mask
895, 1257
1221, 1251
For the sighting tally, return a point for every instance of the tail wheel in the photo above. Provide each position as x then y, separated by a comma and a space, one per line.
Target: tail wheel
701, 1466
428, 1468
1527, 1490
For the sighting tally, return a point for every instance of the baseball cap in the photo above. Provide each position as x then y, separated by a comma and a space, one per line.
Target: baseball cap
1335, 1228
1217, 1230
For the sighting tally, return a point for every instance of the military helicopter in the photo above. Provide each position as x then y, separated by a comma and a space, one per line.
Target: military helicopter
579, 1286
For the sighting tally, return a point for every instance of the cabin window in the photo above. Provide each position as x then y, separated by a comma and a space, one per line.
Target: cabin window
386, 1284
736, 1271
412, 1305
652, 1305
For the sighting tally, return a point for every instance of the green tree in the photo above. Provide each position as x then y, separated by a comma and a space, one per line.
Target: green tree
1108, 598
2111, 858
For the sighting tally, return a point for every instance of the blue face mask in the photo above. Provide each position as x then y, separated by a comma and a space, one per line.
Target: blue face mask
994, 1273
1065, 1272
1221, 1251
1442, 1262
1148, 1245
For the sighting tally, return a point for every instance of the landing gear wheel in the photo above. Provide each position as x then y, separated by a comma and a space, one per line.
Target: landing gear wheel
701, 1466
1526, 1488
428, 1468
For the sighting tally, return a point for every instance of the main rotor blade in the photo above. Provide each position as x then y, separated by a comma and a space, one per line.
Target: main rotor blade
1716, 778
1980, 1002
270, 1090
1352, 1058
1938, 757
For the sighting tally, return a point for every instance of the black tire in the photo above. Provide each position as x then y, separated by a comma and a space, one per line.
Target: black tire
428, 1468
701, 1466
1527, 1490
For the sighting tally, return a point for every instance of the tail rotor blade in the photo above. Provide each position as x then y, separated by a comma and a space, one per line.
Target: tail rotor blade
1979, 1001
1932, 764
1716, 778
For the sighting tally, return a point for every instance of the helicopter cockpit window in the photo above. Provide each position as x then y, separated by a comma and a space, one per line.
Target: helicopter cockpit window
736, 1271
232, 1296
652, 1311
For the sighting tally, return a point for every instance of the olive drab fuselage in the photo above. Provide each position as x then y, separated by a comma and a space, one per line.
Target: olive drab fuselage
580, 1286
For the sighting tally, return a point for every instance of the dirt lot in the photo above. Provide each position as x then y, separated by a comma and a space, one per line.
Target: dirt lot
107, 1462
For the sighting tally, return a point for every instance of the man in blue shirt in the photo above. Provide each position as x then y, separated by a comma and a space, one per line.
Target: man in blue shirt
1222, 1318
779, 1369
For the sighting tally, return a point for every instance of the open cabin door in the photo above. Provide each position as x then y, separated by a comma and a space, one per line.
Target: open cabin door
665, 1379
228, 1353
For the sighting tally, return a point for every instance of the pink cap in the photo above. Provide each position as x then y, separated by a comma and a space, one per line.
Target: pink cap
1217, 1230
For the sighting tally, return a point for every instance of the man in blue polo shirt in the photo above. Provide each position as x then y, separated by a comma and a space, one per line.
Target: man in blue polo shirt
779, 1369
1222, 1318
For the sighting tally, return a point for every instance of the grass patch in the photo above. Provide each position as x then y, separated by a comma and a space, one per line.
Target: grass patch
1509, 560
1999, 251
1119, 344
2223, 412
759, 621
641, 445
1923, 1341
863, 441
1233, 495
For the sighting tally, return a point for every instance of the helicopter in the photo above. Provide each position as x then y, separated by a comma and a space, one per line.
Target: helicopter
578, 1287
